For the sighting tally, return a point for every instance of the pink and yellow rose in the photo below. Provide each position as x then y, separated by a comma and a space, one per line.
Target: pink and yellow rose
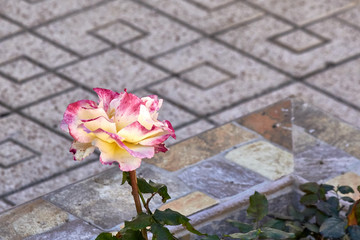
122, 126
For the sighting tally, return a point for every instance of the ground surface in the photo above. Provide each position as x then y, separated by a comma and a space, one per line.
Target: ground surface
211, 61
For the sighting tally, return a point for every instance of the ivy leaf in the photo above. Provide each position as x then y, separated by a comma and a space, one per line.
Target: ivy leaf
309, 199
271, 233
258, 208
160, 232
106, 236
243, 227
310, 187
141, 221
345, 189
333, 227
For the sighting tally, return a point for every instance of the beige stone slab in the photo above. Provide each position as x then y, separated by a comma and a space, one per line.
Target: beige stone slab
304, 11
342, 81
36, 13
31, 91
349, 179
303, 92
4, 206
263, 158
253, 38
30, 219
161, 33
201, 147
190, 204
209, 16
247, 74
352, 16
7, 28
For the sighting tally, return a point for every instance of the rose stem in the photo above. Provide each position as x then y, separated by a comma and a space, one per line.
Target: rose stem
135, 193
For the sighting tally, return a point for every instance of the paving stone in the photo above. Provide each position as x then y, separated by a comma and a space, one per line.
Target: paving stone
3, 111
52, 153
103, 201
75, 229
30, 219
349, 179
273, 123
254, 39
316, 160
12, 152
340, 81
225, 178
34, 14
201, 147
21, 69
163, 34
351, 16
248, 75
56, 183
263, 158
209, 16
7, 28
299, 91
190, 131
4, 206
115, 70
190, 204
34, 48
50, 112
301, 12
31, 91
326, 128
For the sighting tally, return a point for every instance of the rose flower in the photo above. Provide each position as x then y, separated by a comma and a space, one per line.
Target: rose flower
122, 126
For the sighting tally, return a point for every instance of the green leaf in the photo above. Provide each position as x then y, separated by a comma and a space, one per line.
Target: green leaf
271, 233
105, 236
345, 189
145, 187
333, 227
258, 208
246, 236
312, 227
310, 187
243, 227
358, 188
129, 234
139, 222
328, 208
309, 212
125, 178
354, 232
348, 199
275, 223
309, 199
160, 232
327, 187
152, 187
320, 217
211, 237
295, 213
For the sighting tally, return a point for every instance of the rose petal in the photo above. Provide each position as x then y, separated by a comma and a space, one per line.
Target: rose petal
81, 150
100, 123
127, 110
105, 97
145, 118
135, 132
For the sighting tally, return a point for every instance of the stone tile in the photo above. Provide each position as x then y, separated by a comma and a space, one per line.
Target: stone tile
31, 91
103, 201
7, 28
301, 12
4, 206
316, 160
33, 218
327, 129
50, 112
55, 183
298, 41
34, 14
209, 16
115, 70
52, 153
340, 81
263, 158
3, 111
190, 131
34, 48
163, 34
220, 178
352, 16
201, 147
254, 39
75, 229
349, 179
12, 153
190, 204
297, 90
273, 123
20, 69
248, 75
